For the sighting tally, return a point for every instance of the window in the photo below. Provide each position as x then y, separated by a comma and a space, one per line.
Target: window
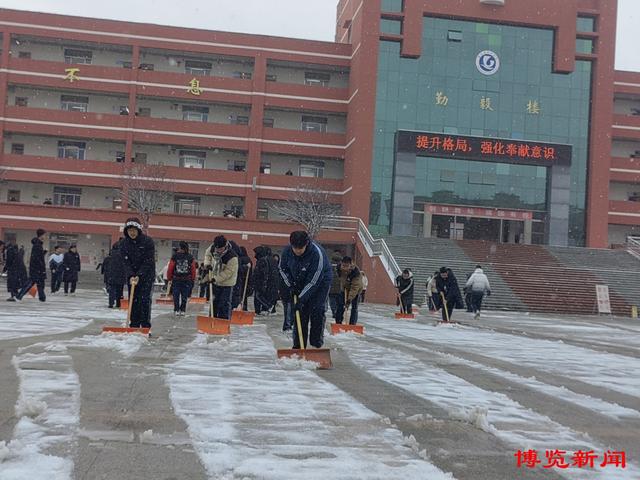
242, 75
310, 168
237, 165
63, 240
140, 157
482, 178
194, 247
186, 205
17, 149
454, 36
73, 150
147, 66
25, 55
317, 78
192, 159
74, 103
124, 63
586, 24
239, 119
268, 122
272, 78
195, 67
265, 167
447, 176
263, 213
314, 124
67, 196
72, 55
22, 102
393, 27
144, 112
13, 196
193, 113
120, 157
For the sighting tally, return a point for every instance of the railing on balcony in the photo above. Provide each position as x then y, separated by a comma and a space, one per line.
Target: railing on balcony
633, 246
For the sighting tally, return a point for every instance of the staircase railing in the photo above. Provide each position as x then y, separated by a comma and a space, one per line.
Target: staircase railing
633, 246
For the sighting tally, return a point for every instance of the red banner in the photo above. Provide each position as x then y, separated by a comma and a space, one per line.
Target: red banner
478, 212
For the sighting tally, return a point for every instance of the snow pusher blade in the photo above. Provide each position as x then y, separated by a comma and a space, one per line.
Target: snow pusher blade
124, 304
164, 301
405, 316
142, 331
337, 328
198, 300
213, 325
240, 317
321, 356
33, 291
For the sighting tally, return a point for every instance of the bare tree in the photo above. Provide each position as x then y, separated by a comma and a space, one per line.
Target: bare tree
146, 188
309, 206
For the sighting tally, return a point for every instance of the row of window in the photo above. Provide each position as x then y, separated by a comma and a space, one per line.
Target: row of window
191, 113
192, 67
187, 159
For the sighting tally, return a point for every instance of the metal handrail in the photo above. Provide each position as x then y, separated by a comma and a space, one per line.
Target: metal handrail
633, 246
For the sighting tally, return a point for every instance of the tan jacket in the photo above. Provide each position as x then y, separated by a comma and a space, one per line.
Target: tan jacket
351, 282
224, 270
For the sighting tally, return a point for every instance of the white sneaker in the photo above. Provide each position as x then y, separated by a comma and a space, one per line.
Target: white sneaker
477, 316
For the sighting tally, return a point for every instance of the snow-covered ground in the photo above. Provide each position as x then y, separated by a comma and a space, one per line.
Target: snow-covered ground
250, 415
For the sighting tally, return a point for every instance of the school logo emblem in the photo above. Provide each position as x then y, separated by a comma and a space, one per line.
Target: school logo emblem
487, 62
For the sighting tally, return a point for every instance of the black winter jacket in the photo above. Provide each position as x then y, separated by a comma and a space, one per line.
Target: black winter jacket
265, 276
70, 267
450, 289
37, 265
16, 271
139, 257
405, 286
114, 269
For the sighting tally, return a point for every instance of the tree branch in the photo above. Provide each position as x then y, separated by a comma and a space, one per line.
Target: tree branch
147, 189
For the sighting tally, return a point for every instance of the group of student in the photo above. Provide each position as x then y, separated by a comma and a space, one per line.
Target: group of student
64, 268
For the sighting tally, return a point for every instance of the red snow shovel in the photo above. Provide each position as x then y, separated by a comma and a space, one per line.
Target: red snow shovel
210, 324
33, 291
166, 298
239, 316
321, 356
128, 328
337, 328
402, 315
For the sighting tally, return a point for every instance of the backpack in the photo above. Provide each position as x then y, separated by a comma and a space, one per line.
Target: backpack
183, 267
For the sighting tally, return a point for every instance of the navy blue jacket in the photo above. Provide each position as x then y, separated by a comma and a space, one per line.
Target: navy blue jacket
306, 274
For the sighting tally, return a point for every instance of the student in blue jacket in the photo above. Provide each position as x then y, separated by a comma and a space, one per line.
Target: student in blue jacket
306, 272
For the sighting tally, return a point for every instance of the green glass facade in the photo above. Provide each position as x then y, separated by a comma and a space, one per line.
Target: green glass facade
443, 91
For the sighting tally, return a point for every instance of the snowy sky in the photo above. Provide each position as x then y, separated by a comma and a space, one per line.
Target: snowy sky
313, 19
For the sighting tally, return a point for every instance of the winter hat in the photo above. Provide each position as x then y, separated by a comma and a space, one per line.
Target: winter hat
133, 222
184, 246
40, 232
220, 241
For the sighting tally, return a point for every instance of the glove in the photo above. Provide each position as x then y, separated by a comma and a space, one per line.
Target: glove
488, 293
209, 268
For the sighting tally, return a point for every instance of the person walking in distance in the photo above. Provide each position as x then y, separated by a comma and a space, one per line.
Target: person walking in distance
139, 258
306, 271
244, 278
335, 291
449, 293
432, 293
478, 284
115, 275
71, 268
365, 284
37, 268
181, 273
56, 268
222, 263
350, 289
16, 271
404, 284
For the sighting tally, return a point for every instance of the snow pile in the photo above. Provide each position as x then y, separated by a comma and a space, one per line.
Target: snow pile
29, 407
476, 416
297, 363
146, 436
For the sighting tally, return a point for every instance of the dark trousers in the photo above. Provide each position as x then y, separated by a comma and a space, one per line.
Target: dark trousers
141, 306
407, 303
30, 283
312, 318
56, 280
204, 290
222, 302
450, 306
333, 303
115, 294
181, 290
261, 304
437, 301
353, 319
70, 284
476, 301
288, 316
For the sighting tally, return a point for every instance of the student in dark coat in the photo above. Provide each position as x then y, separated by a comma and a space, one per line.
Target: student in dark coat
306, 271
405, 284
115, 275
265, 289
139, 255
16, 271
245, 271
182, 273
447, 285
70, 270
37, 267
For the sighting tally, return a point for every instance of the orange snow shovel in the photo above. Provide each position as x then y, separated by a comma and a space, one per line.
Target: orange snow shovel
128, 328
337, 328
321, 356
239, 316
166, 298
33, 290
210, 324
402, 315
